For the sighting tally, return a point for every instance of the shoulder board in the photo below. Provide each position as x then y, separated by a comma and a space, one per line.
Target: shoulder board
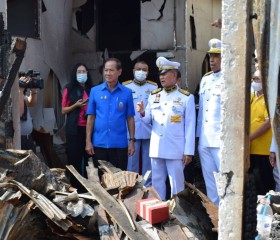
156, 91
206, 74
151, 82
127, 82
185, 92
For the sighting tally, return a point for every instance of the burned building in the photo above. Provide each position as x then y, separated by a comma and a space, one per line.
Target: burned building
62, 33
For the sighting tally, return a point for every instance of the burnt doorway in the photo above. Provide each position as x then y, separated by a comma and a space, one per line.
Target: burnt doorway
118, 25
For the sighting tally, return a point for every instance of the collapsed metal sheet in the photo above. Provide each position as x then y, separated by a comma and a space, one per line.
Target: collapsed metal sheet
24, 222
8, 217
44, 204
36, 174
35, 181
195, 210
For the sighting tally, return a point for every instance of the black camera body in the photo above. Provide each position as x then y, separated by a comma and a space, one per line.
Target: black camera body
35, 82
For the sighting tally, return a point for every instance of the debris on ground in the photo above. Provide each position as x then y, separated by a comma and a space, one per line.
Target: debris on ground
37, 202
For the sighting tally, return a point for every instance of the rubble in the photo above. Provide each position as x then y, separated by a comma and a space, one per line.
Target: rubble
38, 203
275, 205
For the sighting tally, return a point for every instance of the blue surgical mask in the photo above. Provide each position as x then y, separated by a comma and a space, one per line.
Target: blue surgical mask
81, 77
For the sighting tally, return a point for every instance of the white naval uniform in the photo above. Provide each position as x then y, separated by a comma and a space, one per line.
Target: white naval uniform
141, 92
172, 115
209, 130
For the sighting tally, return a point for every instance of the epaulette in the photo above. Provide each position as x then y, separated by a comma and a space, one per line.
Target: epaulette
127, 82
156, 91
185, 92
206, 74
151, 82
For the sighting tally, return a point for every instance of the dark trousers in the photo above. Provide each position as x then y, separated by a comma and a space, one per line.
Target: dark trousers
262, 170
27, 143
117, 156
189, 171
76, 154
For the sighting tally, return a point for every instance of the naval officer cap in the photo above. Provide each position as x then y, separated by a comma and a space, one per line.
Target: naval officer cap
215, 46
164, 65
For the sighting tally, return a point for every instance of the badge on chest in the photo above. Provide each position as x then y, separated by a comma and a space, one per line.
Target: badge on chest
157, 99
176, 118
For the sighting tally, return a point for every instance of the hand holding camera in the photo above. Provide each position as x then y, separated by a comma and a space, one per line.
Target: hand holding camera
30, 79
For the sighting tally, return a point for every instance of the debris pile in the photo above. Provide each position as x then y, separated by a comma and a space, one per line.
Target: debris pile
39, 203
275, 205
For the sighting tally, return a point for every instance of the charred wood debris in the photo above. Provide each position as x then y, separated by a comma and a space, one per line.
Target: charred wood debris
38, 202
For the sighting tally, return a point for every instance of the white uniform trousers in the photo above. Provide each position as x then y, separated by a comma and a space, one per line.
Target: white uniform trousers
174, 168
210, 163
133, 161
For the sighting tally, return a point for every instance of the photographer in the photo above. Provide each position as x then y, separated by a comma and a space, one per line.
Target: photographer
27, 98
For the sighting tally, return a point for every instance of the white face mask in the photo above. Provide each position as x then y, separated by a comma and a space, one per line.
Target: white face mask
256, 86
140, 75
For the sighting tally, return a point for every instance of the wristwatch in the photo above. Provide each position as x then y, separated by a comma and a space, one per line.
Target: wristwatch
132, 139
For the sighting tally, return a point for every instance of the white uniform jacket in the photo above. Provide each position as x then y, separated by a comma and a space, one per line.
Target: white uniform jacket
209, 113
172, 115
141, 92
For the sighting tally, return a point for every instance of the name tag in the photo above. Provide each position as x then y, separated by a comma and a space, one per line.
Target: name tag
176, 118
177, 103
217, 89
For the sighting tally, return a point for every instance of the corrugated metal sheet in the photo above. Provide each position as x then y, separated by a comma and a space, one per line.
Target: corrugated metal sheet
8, 216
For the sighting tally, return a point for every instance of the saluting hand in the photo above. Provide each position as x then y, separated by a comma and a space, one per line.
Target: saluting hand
140, 108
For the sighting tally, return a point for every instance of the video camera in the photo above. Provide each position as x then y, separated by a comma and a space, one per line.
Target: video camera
35, 82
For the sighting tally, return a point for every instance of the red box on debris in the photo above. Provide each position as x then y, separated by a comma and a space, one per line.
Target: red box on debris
153, 210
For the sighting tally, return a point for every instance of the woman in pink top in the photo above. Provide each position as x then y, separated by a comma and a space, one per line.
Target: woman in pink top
74, 105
